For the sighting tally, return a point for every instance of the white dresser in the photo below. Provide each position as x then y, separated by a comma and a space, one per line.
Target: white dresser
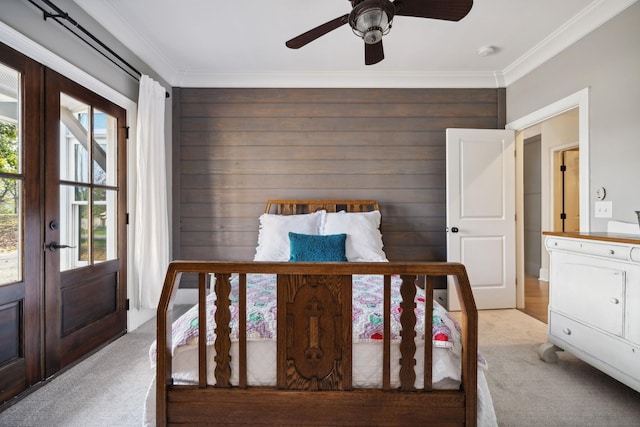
594, 301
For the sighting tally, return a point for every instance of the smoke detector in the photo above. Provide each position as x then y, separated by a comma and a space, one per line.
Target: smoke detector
486, 51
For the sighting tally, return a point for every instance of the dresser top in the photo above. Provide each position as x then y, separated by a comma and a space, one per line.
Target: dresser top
602, 236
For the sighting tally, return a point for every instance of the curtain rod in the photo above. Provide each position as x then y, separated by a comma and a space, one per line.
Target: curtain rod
61, 15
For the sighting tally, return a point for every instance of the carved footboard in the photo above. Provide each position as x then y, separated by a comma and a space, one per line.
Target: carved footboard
314, 351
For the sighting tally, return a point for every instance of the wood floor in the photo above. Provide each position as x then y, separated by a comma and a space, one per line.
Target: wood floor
536, 298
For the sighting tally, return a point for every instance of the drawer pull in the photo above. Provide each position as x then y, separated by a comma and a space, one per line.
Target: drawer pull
614, 301
611, 252
567, 331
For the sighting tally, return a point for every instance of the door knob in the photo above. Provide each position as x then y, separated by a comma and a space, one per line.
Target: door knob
54, 246
454, 229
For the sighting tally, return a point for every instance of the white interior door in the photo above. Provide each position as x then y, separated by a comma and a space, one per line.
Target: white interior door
481, 210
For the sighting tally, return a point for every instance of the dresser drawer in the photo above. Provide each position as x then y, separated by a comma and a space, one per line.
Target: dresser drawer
611, 351
589, 292
606, 250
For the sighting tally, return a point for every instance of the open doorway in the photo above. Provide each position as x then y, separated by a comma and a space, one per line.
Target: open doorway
549, 200
536, 292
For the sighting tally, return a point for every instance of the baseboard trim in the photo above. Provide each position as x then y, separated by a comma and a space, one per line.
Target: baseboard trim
544, 274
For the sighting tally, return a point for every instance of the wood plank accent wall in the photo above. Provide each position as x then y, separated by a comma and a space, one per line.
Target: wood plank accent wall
236, 148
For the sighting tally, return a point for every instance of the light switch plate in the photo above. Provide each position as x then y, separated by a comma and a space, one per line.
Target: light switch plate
604, 209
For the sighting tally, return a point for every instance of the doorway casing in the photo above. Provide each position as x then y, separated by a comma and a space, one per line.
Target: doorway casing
578, 100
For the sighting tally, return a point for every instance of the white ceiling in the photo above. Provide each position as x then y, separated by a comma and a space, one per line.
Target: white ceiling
214, 43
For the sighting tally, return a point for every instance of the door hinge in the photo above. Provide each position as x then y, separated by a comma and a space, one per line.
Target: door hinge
127, 305
127, 132
127, 218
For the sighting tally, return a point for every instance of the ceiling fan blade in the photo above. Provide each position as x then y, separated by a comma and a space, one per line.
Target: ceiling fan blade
373, 53
311, 35
449, 10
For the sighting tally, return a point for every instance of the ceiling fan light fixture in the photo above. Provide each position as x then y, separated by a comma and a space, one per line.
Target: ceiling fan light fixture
371, 19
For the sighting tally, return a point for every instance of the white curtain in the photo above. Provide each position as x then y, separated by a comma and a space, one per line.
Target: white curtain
151, 246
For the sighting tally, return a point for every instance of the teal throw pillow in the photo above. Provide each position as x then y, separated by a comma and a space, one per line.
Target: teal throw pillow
316, 247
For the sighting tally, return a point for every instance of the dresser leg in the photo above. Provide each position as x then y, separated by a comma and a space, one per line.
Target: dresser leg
548, 352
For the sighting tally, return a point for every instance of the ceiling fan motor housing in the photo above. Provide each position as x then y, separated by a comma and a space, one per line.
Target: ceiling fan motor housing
371, 19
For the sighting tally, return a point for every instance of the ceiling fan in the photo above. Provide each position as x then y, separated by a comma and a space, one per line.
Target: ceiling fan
371, 19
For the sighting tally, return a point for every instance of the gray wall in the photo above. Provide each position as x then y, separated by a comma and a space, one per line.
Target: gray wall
608, 62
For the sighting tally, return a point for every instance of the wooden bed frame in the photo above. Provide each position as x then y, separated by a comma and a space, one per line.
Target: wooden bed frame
314, 346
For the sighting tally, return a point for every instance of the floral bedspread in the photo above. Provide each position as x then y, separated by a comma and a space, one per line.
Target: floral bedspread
367, 314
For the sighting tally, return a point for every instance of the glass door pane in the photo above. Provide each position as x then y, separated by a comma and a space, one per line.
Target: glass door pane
74, 140
74, 227
104, 225
11, 178
10, 231
105, 144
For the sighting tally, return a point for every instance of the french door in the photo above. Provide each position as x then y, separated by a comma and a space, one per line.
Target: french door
62, 222
84, 221
20, 230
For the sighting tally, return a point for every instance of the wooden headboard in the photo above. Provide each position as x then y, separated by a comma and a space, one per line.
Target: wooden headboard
294, 207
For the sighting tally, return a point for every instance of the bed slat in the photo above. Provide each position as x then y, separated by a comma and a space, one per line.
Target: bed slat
202, 330
222, 342
242, 331
428, 326
386, 335
408, 334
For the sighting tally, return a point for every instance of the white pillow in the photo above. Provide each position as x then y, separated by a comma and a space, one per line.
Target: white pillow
364, 240
273, 237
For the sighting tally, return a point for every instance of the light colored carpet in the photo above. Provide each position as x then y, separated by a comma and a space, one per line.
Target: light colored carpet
108, 388
529, 392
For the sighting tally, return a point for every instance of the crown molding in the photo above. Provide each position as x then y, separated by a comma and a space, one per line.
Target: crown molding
590, 18
340, 80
